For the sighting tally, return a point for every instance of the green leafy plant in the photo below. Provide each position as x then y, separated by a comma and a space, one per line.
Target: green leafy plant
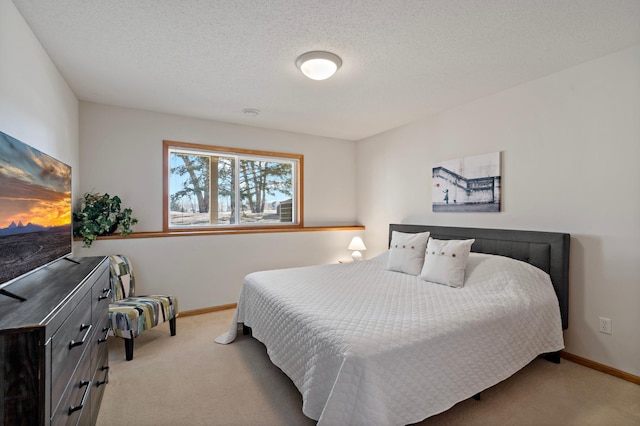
101, 214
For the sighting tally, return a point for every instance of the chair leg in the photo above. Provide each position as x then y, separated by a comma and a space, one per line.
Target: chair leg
172, 326
128, 349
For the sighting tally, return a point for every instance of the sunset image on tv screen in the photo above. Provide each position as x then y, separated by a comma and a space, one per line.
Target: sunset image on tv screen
35, 208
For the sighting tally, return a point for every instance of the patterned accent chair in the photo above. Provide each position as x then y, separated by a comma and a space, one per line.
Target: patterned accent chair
130, 315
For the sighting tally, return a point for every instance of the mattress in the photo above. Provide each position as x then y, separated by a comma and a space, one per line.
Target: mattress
367, 346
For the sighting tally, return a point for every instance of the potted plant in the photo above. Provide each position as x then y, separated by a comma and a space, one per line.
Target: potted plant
101, 214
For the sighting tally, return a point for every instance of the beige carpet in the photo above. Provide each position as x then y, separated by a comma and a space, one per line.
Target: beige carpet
190, 380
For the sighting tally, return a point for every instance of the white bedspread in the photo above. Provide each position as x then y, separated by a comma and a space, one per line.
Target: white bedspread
366, 346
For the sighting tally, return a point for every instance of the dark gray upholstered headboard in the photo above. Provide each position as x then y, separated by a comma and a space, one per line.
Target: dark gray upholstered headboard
548, 251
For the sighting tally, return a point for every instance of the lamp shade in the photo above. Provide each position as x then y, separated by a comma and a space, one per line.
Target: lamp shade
318, 65
357, 244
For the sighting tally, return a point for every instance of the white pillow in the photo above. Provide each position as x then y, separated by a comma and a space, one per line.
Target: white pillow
445, 261
406, 253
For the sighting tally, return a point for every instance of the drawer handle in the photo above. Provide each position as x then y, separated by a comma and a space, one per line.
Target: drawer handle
106, 293
106, 376
75, 408
87, 327
106, 335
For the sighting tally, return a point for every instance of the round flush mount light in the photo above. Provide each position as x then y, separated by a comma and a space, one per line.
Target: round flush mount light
318, 65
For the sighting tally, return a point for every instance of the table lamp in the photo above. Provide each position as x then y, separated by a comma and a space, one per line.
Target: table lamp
356, 245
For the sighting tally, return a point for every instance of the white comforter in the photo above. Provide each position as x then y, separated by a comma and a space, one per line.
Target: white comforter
366, 346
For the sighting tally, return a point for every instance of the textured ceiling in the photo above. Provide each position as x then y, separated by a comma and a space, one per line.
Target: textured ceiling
402, 60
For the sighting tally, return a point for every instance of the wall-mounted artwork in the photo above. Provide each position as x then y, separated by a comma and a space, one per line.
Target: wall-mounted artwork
468, 184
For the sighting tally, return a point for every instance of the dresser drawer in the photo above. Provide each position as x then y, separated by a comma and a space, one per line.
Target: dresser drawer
102, 330
100, 380
101, 294
100, 354
41, 366
68, 345
76, 400
101, 361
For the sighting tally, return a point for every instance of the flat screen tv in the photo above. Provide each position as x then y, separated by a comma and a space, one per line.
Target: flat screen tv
35, 210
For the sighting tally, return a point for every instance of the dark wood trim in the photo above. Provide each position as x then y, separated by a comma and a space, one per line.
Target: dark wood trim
160, 234
601, 367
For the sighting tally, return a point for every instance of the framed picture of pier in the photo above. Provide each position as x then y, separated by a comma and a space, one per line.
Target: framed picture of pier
467, 184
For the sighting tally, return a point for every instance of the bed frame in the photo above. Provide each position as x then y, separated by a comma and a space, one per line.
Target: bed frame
548, 251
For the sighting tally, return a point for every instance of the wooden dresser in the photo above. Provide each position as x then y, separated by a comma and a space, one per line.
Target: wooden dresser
53, 351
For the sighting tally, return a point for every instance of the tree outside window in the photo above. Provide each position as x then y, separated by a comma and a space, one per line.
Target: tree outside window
217, 187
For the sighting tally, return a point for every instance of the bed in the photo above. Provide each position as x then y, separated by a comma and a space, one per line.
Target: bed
366, 345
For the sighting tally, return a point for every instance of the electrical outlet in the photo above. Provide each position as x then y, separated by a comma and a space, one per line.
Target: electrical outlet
605, 325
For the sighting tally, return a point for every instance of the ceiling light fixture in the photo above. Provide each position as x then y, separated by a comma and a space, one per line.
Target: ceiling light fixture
318, 65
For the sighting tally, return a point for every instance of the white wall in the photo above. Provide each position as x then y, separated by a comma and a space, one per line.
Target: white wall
206, 271
571, 153
37, 106
121, 153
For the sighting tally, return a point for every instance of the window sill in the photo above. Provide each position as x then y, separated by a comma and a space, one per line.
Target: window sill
160, 234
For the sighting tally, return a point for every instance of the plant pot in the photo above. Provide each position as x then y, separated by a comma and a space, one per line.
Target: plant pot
112, 230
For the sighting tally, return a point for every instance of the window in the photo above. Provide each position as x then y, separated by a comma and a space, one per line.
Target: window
212, 187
